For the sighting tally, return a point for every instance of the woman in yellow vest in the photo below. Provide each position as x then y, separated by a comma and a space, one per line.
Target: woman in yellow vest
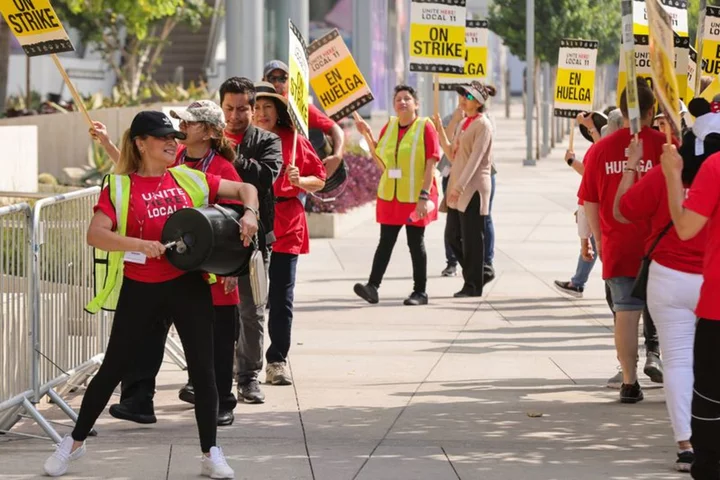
470, 185
143, 287
407, 151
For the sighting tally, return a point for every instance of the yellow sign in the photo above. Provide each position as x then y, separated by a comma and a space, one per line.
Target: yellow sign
299, 92
712, 90
677, 9
575, 81
662, 52
36, 26
437, 36
476, 56
711, 42
336, 78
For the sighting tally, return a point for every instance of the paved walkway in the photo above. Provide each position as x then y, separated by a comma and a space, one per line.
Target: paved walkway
510, 387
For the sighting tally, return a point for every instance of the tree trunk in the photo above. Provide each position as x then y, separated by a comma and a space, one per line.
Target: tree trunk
4, 62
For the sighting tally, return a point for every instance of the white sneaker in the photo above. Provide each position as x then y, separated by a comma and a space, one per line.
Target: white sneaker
59, 461
278, 373
616, 381
215, 466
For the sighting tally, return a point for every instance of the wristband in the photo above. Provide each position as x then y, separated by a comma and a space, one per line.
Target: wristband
424, 192
633, 170
570, 161
255, 212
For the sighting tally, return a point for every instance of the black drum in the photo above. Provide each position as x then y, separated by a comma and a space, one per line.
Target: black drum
206, 239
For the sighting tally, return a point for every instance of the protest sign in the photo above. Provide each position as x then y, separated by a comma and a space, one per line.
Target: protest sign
36, 26
662, 52
677, 9
575, 82
298, 94
711, 42
336, 78
692, 85
476, 56
437, 36
628, 67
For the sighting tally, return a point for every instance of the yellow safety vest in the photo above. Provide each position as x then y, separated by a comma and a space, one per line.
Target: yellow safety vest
408, 157
109, 266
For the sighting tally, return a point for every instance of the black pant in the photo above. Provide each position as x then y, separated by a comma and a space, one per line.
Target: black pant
138, 385
465, 232
187, 300
416, 243
706, 433
449, 255
281, 295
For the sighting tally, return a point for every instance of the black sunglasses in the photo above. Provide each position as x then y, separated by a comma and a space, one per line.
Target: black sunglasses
278, 78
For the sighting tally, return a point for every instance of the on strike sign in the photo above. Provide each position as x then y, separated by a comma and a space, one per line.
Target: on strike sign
336, 78
299, 80
476, 56
36, 26
575, 77
437, 36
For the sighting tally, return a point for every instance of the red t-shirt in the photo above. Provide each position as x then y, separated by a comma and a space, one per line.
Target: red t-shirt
704, 199
394, 212
221, 167
291, 230
152, 201
647, 199
318, 120
235, 138
623, 245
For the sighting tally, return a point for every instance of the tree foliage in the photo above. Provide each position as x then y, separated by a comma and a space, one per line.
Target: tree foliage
130, 35
558, 19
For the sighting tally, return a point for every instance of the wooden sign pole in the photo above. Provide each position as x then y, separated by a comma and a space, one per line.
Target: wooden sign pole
76, 96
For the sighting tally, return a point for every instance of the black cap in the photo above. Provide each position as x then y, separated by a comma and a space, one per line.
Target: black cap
153, 124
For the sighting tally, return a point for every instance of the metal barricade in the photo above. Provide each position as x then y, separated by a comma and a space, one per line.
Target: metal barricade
15, 363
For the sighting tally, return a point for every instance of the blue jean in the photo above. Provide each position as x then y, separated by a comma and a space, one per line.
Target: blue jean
584, 267
281, 295
489, 230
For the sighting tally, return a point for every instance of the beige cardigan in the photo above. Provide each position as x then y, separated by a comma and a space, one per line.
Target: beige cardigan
472, 164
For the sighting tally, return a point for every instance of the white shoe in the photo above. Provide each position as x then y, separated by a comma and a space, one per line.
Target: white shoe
215, 466
616, 381
59, 461
278, 373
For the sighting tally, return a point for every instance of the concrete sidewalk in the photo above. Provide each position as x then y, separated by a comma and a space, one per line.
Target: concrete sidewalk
509, 387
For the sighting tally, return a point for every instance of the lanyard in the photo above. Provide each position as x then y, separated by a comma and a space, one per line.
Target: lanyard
141, 221
203, 164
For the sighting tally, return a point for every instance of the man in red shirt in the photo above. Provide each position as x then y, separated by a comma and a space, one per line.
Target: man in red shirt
276, 73
621, 246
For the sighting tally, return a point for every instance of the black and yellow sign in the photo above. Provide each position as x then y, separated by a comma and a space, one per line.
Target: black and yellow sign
711, 42
299, 91
575, 81
476, 56
36, 26
336, 78
437, 36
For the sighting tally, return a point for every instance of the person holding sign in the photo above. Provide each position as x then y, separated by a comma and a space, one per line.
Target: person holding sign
692, 211
675, 274
470, 185
621, 246
407, 193
304, 173
143, 287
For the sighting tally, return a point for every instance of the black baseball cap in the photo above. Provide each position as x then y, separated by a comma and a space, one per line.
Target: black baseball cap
153, 124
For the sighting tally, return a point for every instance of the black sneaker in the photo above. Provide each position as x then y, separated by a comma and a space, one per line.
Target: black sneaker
416, 298
122, 411
251, 393
467, 292
569, 288
187, 394
450, 271
367, 292
684, 461
488, 274
631, 393
225, 418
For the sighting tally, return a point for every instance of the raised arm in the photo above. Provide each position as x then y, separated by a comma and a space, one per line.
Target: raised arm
100, 134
